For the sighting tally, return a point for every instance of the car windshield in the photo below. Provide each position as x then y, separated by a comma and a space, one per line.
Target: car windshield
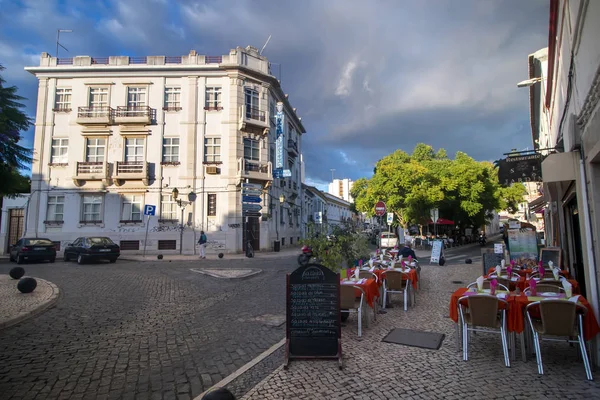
38, 242
99, 240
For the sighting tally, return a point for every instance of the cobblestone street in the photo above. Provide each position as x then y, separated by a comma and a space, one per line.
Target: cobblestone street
138, 330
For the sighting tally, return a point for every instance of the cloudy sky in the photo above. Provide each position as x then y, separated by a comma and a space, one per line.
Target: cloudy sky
367, 77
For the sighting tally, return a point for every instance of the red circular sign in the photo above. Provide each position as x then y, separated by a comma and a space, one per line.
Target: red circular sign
380, 209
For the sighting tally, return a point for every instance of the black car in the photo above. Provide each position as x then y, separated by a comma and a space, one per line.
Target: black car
33, 249
92, 248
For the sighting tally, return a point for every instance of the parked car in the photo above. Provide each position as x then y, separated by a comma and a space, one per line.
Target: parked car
92, 248
33, 249
387, 240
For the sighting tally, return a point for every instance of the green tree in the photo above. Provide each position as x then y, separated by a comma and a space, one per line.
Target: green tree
13, 121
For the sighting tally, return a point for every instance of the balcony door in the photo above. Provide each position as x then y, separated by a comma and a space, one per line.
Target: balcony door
98, 101
134, 150
251, 98
95, 150
136, 98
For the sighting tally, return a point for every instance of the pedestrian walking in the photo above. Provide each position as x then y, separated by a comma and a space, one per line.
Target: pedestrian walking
202, 243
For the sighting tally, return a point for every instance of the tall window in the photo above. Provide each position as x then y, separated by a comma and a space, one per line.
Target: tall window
95, 149
212, 205
56, 208
134, 149
168, 207
172, 98
131, 208
62, 100
92, 208
212, 149
98, 97
251, 98
170, 149
60, 151
213, 98
251, 149
136, 98
281, 220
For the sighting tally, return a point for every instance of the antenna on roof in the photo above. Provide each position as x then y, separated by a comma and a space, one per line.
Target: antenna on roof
58, 31
263, 48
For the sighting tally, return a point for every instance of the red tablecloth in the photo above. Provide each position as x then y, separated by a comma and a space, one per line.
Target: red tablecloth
412, 275
370, 288
525, 272
523, 284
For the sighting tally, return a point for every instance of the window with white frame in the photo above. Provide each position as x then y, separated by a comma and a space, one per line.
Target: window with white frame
95, 149
168, 208
131, 209
251, 100
92, 208
212, 149
170, 149
211, 204
251, 149
213, 98
60, 151
56, 208
98, 97
62, 99
134, 149
136, 98
172, 98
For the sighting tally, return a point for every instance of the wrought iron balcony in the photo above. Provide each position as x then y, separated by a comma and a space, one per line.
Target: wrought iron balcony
90, 171
130, 170
292, 148
249, 169
254, 120
95, 115
134, 115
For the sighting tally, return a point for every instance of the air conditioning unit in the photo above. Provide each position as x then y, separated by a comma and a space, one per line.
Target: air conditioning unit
211, 169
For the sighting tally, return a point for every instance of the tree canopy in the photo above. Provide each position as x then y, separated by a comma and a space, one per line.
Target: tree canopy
13, 156
464, 190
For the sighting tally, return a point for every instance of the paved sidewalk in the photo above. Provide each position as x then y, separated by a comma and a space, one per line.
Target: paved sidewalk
16, 306
377, 370
286, 252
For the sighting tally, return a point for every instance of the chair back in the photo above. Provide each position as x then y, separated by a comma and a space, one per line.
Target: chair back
486, 285
483, 309
548, 287
347, 297
393, 280
558, 317
505, 282
367, 275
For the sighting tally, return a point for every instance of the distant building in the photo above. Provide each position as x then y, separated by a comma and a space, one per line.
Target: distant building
324, 211
341, 188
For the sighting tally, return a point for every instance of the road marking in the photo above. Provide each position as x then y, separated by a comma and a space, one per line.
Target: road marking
224, 382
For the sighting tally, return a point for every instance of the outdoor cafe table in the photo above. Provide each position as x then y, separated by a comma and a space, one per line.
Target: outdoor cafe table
411, 272
522, 283
529, 271
368, 286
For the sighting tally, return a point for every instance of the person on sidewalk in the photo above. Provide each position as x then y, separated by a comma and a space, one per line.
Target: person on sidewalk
202, 243
408, 251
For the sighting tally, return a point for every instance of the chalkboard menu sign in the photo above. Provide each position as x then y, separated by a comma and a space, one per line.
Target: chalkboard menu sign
490, 259
313, 326
550, 254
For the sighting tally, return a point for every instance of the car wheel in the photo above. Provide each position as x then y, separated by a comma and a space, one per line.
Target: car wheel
66, 257
20, 259
53, 259
112, 260
80, 259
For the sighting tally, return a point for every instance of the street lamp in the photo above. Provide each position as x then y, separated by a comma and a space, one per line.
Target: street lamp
529, 82
182, 204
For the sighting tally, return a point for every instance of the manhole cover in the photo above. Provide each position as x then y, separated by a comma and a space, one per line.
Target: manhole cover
228, 273
458, 282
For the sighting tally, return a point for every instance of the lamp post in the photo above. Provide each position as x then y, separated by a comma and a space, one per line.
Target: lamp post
182, 205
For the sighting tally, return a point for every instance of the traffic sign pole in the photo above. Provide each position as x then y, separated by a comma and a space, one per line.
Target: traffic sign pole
146, 237
148, 210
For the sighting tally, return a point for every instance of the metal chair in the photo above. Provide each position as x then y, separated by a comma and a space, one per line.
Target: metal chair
348, 303
486, 285
393, 283
543, 287
483, 316
561, 318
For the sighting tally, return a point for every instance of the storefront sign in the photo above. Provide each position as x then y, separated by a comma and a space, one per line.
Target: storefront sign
279, 130
522, 168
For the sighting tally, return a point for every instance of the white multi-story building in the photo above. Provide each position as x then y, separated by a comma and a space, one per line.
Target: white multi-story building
341, 188
115, 134
323, 211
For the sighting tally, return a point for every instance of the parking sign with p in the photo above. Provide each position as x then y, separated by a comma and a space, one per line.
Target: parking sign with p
149, 209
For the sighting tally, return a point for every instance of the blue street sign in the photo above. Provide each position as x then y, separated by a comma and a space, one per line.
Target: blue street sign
254, 186
251, 192
278, 173
251, 199
149, 209
251, 207
286, 173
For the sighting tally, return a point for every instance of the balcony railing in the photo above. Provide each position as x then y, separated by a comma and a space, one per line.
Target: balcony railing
255, 169
95, 115
213, 59
255, 114
292, 147
253, 119
131, 170
100, 60
134, 114
90, 171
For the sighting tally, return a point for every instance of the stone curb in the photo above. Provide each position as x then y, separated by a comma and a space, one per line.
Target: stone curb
245, 368
56, 293
208, 272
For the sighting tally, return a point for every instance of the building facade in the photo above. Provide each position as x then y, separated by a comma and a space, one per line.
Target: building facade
341, 188
565, 115
180, 134
324, 212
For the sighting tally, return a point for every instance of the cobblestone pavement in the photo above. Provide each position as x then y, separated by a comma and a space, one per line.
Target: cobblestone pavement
377, 370
140, 330
17, 306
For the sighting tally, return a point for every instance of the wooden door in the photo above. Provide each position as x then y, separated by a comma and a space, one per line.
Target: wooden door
15, 226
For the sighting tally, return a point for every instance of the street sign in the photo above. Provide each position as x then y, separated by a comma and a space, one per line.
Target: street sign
390, 218
435, 214
251, 199
318, 217
251, 192
251, 207
149, 209
380, 209
254, 186
252, 214
286, 173
278, 173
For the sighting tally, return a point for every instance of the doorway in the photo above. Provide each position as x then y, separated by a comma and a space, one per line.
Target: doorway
572, 212
15, 226
252, 232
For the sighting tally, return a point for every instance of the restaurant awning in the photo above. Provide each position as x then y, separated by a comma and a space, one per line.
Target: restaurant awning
559, 167
441, 221
537, 205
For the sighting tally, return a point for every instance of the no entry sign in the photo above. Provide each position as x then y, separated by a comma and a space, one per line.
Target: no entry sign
380, 209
